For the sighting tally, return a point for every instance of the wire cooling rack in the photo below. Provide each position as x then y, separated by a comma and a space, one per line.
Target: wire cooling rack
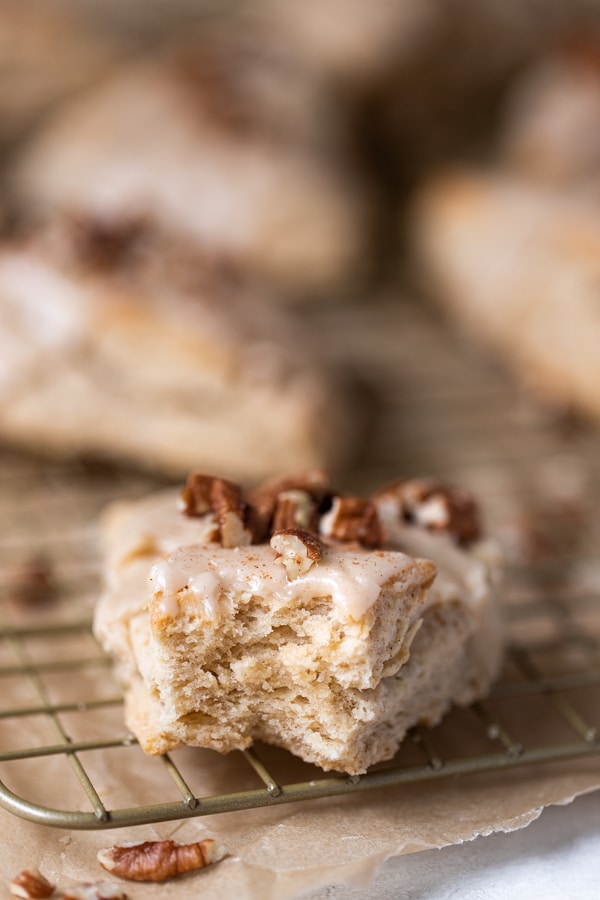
61, 711
555, 692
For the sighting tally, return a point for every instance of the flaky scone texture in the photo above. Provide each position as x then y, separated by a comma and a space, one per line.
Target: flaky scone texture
219, 646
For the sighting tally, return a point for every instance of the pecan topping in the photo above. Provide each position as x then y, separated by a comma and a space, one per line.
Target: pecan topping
31, 885
205, 493
298, 549
159, 860
230, 511
306, 503
353, 519
264, 498
438, 508
195, 496
98, 890
295, 509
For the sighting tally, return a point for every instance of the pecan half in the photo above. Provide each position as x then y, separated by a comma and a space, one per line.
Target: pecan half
299, 550
98, 890
159, 860
437, 507
31, 885
353, 519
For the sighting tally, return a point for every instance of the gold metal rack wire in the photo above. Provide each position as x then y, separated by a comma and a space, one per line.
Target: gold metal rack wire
544, 707
500, 743
504, 747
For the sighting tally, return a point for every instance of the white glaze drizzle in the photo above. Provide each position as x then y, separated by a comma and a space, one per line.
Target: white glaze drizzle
352, 578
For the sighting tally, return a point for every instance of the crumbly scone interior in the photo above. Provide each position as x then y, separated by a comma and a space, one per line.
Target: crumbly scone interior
272, 665
341, 728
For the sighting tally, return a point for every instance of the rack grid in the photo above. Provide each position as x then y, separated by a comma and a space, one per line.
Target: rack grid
502, 744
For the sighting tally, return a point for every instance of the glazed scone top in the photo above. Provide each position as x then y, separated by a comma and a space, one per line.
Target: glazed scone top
209, 575
294, 538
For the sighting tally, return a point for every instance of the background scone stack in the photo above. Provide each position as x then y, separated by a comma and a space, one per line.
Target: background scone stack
272, 142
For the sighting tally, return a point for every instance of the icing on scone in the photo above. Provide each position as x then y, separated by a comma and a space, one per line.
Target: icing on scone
353, 579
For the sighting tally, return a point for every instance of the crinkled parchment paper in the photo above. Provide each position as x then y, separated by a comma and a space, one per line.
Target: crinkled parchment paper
279, 852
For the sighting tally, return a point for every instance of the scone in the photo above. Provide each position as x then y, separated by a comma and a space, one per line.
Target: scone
294, 615
517, 265
171, 142
156, 362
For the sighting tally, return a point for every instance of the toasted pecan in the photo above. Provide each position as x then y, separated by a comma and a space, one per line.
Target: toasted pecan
353, 520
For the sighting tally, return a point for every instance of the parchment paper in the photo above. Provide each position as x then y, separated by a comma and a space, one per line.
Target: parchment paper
277, 853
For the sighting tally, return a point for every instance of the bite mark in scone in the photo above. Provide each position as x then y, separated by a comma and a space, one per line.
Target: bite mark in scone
328, 641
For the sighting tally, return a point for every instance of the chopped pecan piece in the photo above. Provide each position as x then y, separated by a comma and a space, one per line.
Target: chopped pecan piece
230, 511
195, 496
436, 507
159, 860
353, 519
295, 509
298, 549
264, 498
205, 493
31, 885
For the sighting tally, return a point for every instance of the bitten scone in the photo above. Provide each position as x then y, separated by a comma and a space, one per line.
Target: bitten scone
295, 615
153, 361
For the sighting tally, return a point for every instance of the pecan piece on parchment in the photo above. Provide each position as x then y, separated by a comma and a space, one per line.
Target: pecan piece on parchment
159, 860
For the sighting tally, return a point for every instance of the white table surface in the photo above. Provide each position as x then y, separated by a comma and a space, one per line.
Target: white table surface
556, 857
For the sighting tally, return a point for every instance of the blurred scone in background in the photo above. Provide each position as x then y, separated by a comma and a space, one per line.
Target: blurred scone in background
209, 210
